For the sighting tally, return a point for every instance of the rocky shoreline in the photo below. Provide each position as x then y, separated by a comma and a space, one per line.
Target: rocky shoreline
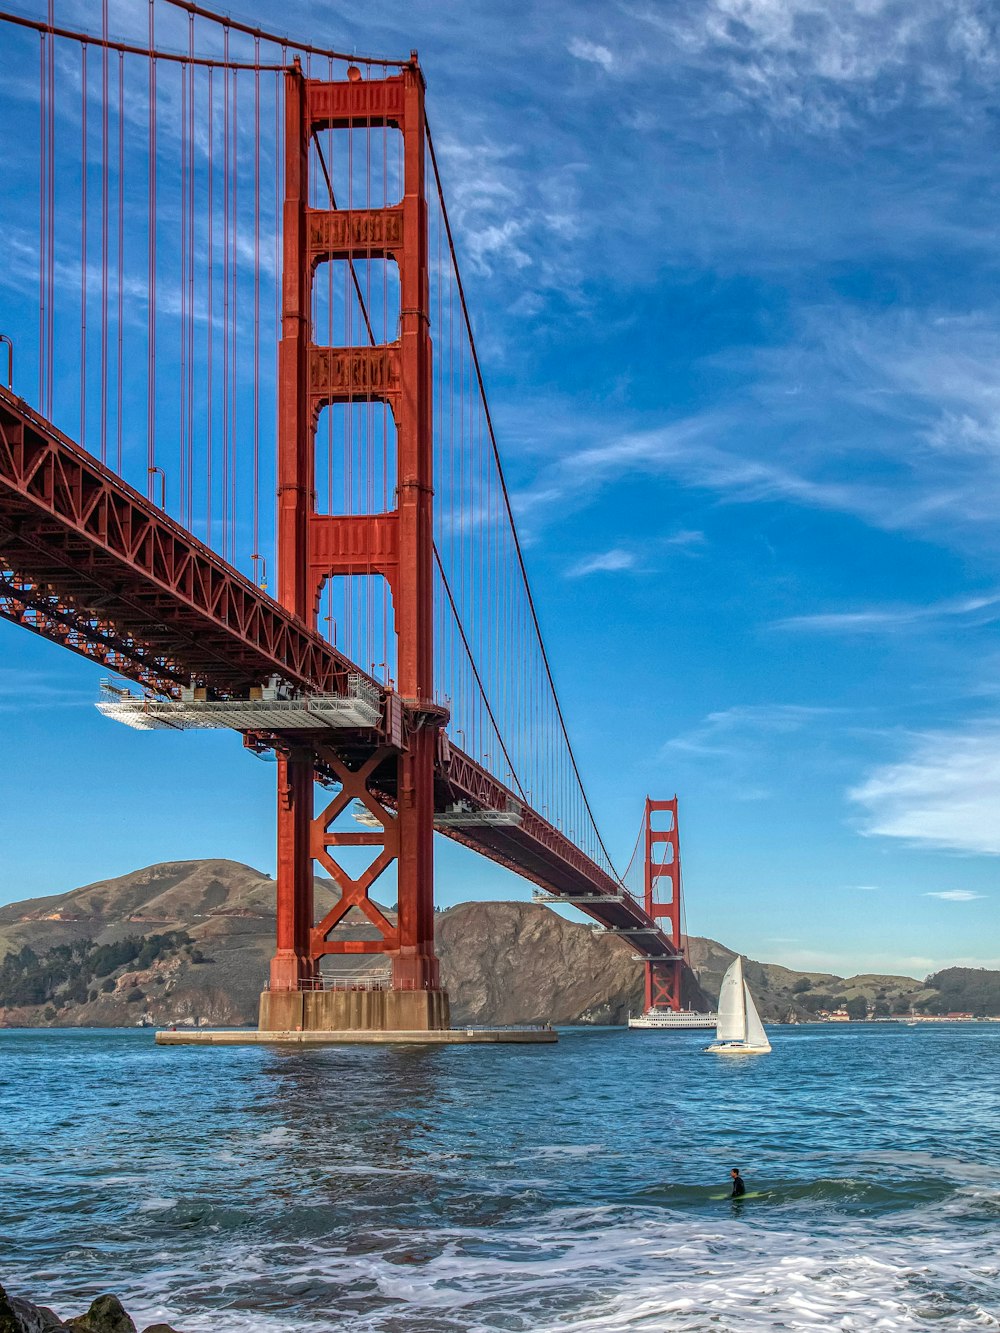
106, 1315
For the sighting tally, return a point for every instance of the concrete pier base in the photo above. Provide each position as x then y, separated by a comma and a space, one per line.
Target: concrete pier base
354, 1011
358, 1037
379, 1017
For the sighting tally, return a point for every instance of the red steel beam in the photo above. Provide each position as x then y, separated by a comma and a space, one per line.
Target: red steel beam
89, 551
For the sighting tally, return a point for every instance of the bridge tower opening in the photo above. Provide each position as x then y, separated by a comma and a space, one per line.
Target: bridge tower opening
662, 901
396, 782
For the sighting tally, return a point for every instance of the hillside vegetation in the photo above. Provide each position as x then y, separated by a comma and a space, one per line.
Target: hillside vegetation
71, 974
972, 990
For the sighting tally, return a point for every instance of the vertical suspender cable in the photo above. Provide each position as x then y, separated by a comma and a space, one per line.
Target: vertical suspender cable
50, 221
42, 182
120, 266
234, 380
210, 282
366, 410
151, 275
104, 234
278, 87
189, 224
226, 330
256, 304
315, 147
83, 245
385, 413
183, 325
350, 610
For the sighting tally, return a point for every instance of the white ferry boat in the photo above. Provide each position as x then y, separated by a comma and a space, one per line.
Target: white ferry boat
670, 1019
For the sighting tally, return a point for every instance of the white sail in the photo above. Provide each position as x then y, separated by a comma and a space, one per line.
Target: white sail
756, 1036
732, 1024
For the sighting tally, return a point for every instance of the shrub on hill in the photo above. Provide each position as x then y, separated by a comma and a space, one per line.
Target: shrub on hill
65, 973
965, 990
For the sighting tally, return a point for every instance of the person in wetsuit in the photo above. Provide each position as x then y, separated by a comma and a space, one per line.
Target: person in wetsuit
738, 1186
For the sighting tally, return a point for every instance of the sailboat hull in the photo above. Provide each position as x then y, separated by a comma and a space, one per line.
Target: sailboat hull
736, 1048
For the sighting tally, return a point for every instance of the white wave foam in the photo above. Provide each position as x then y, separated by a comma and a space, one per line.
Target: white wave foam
604, 1270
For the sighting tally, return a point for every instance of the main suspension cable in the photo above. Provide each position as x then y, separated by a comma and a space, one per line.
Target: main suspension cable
285, 42
506, 499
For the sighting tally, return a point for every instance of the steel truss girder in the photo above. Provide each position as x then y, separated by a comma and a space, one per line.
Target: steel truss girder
24, 604
586, 900
106, 554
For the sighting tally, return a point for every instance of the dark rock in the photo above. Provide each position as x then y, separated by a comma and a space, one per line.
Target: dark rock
159, 1328
106, 1315
8, 1320
19, 1316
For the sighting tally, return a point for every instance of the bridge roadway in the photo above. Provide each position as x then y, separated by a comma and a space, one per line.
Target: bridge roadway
89, 563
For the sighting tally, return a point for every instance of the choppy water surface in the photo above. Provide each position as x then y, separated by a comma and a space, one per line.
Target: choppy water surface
574, 1187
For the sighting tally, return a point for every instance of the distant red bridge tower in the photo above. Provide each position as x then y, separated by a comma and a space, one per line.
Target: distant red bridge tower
662, 901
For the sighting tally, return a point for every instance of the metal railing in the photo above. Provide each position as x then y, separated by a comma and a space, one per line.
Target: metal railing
376, 981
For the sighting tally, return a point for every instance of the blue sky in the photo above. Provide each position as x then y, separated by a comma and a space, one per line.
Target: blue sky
732, 266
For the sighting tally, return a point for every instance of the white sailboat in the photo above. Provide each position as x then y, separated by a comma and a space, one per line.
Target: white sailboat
739, 1030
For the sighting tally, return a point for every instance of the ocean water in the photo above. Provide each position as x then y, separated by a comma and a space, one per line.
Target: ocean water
574, 1187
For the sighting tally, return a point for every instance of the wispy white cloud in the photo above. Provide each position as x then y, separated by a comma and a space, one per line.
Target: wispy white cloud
729, 731
593, 52
875, 620
875, 437
695, 451
615, 561
825, 63
956, 895
945, 793
623, 559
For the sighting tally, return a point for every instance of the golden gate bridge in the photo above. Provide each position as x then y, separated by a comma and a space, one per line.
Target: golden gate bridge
247, 462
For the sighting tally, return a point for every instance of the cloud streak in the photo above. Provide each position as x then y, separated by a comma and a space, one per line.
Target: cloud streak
956, 895
978, 610
945, 793
614, 561
593, 52
731, 731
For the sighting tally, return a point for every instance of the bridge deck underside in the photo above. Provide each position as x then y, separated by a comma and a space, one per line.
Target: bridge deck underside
91, 564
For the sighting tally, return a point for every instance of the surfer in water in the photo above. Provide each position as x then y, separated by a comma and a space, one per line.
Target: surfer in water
739, 1189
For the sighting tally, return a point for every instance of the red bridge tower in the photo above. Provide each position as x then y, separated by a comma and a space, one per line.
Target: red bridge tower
662, 901
398, 545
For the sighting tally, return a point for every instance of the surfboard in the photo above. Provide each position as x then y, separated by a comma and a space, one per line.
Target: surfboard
749, 1194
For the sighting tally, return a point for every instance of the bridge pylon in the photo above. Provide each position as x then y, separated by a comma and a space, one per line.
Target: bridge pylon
662, 901
395, 784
